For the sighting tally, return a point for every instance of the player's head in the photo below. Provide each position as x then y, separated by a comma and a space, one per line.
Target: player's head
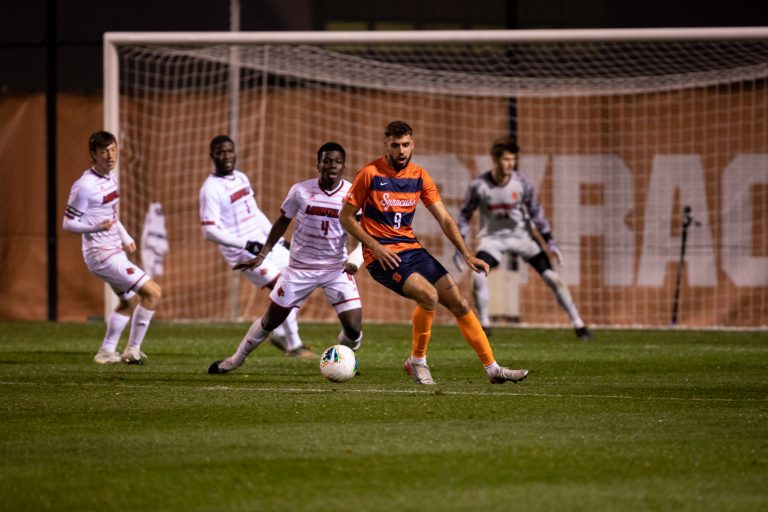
330, 146
504, 153
331, 158
223, 154
399, 144
102, 146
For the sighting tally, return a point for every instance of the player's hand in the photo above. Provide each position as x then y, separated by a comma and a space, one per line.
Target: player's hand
386, 258
351, 268
458, 260
106, 224
130, 247
251, 263
556, 252
253, 247
477, 265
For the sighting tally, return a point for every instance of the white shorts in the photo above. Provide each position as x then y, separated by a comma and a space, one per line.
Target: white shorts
294, 287
519, 243
270, 270
120, 273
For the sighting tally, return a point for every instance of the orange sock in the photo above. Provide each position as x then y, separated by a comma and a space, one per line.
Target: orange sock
472, 331
422, 330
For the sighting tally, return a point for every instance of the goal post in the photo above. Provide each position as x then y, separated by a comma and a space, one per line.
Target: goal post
619, 130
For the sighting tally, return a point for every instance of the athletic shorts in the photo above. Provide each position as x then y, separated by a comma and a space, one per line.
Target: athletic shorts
120, 273
294, 286
412, 260
519, 243
268, 272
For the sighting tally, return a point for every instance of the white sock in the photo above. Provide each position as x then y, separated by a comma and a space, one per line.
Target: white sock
115, 326
139, 325
252, 339
345, 340
480, 293
418, 360
563, 296
492, 368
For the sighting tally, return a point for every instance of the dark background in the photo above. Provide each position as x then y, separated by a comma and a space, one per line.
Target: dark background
78, 25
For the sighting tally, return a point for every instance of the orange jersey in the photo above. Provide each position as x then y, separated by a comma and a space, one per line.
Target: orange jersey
388, 200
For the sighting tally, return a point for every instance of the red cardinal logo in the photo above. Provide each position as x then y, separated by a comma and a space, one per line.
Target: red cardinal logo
130, 271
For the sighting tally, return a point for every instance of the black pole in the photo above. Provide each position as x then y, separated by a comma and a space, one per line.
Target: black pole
687, 219
51, 89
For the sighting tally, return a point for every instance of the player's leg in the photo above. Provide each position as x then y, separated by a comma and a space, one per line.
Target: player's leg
257, 333
406, 281
560, 290
116, 323
149, 298
285, 336
341, 291
480, 291
473, 333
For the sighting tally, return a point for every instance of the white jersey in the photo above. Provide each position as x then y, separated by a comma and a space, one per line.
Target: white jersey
92, 200
228, 202
504, 210
318, 242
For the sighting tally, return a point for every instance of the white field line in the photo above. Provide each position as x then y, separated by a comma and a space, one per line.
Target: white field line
425, 392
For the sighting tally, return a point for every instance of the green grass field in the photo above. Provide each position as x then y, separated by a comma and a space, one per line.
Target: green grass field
636, 420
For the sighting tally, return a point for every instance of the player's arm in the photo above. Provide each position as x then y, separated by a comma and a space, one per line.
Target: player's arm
451, 230
128, 242
386, 258
210, 210
465, 216
354, 256
277, 231
73, 215
536, 216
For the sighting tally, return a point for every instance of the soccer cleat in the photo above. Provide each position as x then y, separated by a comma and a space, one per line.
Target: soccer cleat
583, 333
132, 355
301, 352
419, 372
223, 366
503, 375
106, 357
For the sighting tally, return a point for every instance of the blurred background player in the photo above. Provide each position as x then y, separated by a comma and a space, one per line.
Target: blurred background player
92, 211
231, 218
318, 258
508, 206
387, 191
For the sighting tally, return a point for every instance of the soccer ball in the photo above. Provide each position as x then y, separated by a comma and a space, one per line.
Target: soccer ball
338, 363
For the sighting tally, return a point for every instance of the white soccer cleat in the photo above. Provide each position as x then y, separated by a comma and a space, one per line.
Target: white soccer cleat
132, 355
106, 357
502, 375
419, 372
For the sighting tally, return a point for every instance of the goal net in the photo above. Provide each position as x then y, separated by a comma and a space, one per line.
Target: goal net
619, 131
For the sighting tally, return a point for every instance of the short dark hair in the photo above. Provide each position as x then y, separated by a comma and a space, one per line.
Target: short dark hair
398, 129
100, 140
219, 139
330, 146
503, 144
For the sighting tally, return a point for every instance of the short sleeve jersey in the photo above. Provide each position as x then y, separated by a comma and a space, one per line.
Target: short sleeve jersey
228, 202
93, 199
503, 207
318, 241
388, 199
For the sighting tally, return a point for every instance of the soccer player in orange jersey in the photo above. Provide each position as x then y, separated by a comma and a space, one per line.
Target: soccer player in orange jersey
387, 191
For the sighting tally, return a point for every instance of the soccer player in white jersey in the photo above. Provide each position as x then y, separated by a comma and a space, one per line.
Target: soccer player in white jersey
508, 206
318, 258
92, 211
231, 218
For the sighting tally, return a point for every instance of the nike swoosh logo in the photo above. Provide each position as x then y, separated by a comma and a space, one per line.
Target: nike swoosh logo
384, 182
